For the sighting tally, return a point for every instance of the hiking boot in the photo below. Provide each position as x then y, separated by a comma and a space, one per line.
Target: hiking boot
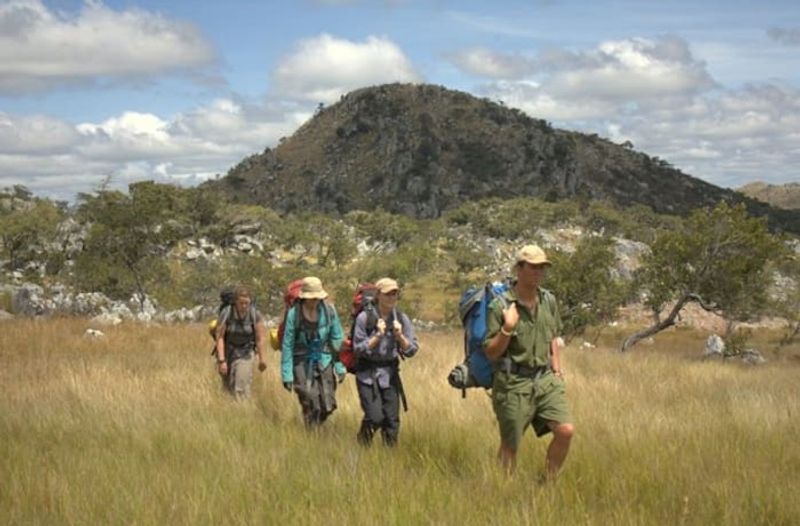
389, 438
364, 435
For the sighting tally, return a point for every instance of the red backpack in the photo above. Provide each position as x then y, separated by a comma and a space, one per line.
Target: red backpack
364, 299
290, 297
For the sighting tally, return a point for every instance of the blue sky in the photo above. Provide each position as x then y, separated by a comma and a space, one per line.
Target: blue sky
180, 91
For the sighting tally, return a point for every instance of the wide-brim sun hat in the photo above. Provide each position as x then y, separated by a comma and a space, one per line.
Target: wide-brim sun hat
532, 254
386, 285
311, 289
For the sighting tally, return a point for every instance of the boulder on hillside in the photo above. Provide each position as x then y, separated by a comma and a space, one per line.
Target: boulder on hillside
715, 347
183, 315
753, 357
28, 300
106, 318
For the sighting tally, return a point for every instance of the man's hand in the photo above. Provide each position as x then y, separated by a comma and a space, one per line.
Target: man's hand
510, 318
222, 368
381, 325
262, 365
397, 328
289, 386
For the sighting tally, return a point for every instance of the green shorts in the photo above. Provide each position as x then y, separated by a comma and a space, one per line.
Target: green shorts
519, 402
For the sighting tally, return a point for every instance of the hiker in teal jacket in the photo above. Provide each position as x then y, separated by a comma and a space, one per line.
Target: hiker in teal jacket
309, 354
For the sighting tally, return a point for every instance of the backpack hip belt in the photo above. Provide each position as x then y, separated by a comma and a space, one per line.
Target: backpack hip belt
366, 363
301, 352
509, 367
238, 352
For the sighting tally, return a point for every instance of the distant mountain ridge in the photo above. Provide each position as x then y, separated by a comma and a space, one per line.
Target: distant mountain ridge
422, 149
786, 196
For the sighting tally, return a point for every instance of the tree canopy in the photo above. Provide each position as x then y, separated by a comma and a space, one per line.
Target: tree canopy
718, 258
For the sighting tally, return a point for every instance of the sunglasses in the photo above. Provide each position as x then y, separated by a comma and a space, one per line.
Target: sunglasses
391, 293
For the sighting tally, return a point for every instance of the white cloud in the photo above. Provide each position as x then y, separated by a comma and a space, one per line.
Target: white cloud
541, 103
491, 24
55, 158
322, 69
42, 49
656, 94
487, 63
31, 134
727, 139
636, 69
616, 76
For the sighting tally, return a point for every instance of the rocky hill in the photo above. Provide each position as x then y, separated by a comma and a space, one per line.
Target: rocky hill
785, 196
423, 149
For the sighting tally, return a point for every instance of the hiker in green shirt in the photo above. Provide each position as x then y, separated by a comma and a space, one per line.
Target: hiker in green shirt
523, 342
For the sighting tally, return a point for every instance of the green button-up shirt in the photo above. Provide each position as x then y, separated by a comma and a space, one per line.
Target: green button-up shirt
530, 343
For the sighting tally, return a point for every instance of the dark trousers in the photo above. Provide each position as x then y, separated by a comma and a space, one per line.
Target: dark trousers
316, 391
381, 411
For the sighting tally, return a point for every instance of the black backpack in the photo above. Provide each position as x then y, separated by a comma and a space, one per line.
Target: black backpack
364, 299
226, 298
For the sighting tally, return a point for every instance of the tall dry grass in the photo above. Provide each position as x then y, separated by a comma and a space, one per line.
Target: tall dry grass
133, 429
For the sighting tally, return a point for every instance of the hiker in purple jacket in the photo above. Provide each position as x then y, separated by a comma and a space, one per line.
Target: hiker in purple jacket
380, 342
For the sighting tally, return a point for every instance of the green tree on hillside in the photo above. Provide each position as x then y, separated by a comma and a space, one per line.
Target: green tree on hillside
513, 218
787, 297
129, 236
26, 229
324, 238
717, 259
382, 227
587, 292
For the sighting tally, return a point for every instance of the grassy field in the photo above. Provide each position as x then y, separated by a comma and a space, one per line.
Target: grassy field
133, 429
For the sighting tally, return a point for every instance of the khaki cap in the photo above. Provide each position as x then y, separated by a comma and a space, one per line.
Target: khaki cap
311, 288
532, 254
386, 285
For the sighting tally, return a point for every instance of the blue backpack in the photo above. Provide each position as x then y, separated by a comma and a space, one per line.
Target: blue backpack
476, 370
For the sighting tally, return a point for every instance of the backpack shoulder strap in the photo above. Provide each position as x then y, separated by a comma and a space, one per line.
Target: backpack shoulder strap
502, 299
330, 312
504, 302
298, 318
225, 316
548, 297
253, 318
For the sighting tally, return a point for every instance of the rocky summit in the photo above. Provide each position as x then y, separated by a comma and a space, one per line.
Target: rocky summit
778, 195
421, 149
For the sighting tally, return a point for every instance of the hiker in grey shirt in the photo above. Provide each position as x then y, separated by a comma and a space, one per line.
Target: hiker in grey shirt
239, 335
380, 342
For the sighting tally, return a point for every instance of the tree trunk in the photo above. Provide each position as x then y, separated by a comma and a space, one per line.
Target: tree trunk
660, 325
139, 283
